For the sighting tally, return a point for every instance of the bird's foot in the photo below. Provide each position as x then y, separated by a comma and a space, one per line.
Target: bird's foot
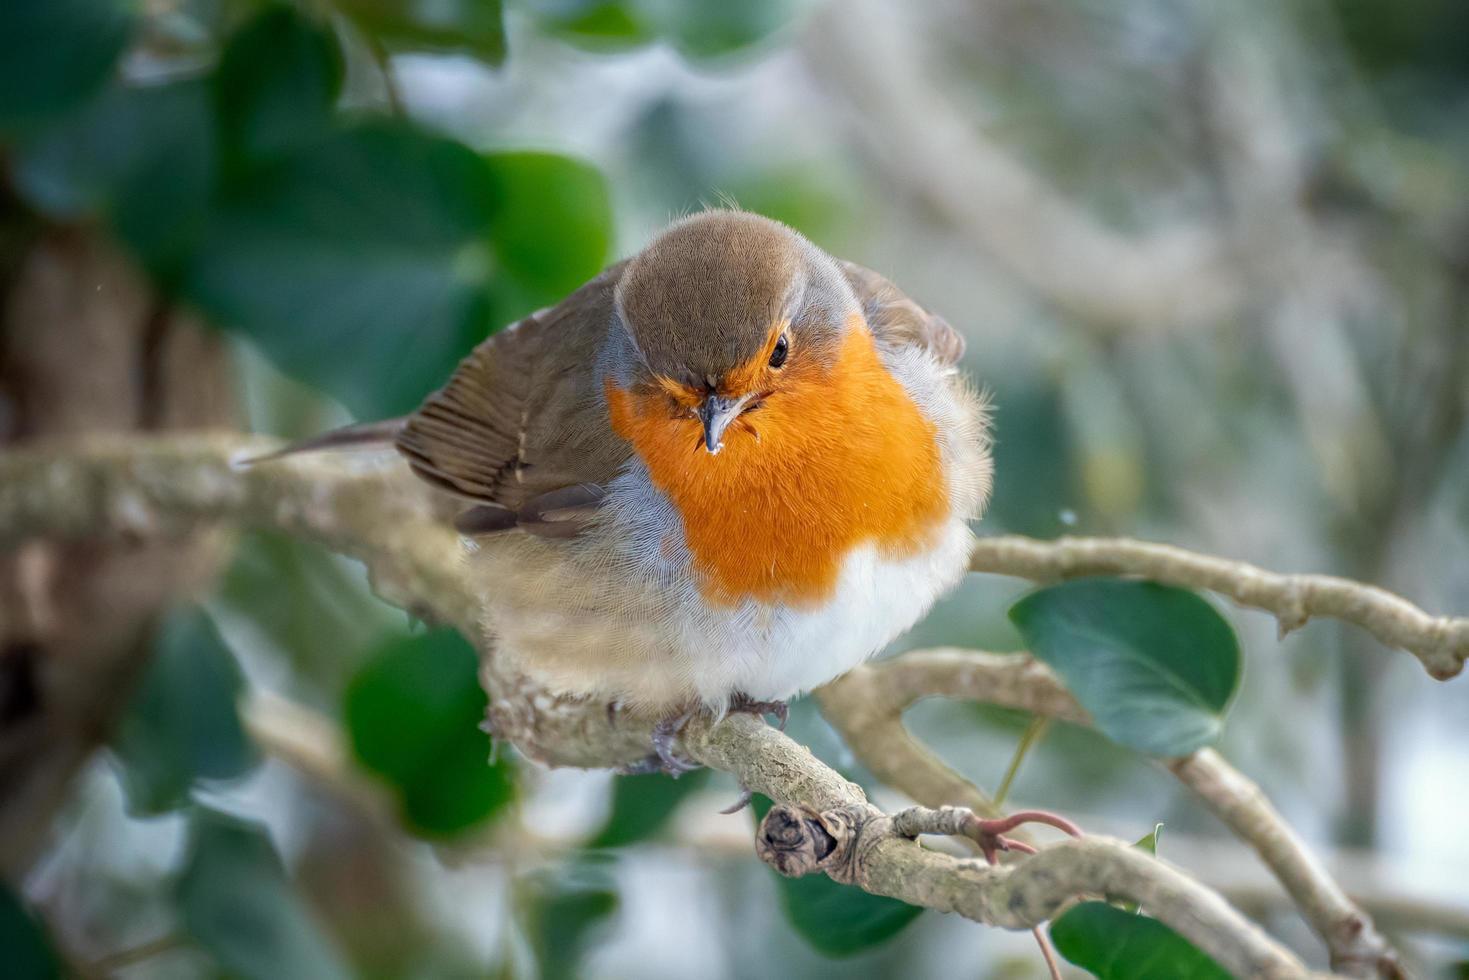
744, 704
664, 759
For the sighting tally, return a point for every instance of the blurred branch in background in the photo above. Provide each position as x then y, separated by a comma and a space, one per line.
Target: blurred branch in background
1170, 278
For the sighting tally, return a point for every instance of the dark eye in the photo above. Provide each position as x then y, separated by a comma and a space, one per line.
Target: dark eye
778, 356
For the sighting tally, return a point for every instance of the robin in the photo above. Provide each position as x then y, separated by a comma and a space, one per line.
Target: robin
719, 474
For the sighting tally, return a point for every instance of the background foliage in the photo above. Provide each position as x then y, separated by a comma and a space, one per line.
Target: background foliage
358, 191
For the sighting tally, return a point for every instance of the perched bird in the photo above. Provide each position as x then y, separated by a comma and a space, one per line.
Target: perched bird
719, 474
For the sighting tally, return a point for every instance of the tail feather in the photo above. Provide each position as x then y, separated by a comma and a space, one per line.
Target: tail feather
363, 435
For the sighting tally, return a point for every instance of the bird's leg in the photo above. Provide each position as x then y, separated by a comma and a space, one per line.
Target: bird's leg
745, 704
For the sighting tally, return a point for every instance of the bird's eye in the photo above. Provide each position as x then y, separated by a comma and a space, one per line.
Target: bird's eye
778, 356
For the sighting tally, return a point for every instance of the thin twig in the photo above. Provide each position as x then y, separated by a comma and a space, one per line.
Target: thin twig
1032, 734
1441, 643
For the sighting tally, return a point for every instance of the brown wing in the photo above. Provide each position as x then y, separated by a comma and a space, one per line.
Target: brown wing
523, 417
898, 320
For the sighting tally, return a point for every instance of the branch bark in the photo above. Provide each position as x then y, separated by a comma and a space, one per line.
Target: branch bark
381, 516
1441, 643
866, 705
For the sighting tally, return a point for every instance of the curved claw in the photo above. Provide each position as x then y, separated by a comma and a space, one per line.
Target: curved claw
745, 704
665, 733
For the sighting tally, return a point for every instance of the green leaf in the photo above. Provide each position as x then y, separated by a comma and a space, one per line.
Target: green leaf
1116, 945
55, 53
369, 263
597, 25
413, 714
183, 724
642, 806
568, 910
27, 950
703, 29
1155, 666
235, 900
144, 157
314, 606
474, 26
1148, 843
360, 264
552, 228
277, 83
837, 920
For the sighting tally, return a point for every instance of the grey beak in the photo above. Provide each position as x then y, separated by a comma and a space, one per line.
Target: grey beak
717, 412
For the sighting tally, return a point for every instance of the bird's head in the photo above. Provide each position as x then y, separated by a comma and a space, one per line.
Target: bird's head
726, 311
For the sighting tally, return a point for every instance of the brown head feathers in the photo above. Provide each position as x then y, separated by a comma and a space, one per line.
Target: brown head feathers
707, 297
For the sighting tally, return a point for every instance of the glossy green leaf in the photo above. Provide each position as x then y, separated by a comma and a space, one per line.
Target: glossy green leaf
360, 264
643, 805
1117, 945
473, 26
837, 920
143, 157
413, 714
235, 900
183, 724
55, 53
1155, 665
24, 947
277, 83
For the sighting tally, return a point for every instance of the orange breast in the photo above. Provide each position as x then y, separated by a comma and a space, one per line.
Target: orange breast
835, 458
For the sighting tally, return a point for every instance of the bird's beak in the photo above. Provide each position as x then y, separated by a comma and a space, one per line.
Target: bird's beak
716, 413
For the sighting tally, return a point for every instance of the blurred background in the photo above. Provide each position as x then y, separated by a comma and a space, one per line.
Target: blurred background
1212, 261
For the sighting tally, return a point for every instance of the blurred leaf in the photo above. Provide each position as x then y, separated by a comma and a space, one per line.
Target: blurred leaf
1038, 487
714, 28
56, 53
1116, 945
552, 226
143, 157
27, 950
359, 264
1423, 37
370, 262
236, 901
314, 606
836, 919
598, 25
277, 83
642, 806
184, 723
568, 910
413, 714
1154, 665
475, 26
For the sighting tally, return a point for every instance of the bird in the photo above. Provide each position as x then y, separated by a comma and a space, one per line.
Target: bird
718, 475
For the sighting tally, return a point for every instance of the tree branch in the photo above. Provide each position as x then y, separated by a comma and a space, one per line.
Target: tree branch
867, 703
1441, 643
378, 514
